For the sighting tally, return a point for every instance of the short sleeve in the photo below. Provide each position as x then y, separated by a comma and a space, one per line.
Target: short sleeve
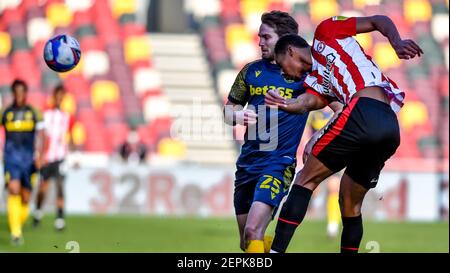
339, 27
313, 87
239, 90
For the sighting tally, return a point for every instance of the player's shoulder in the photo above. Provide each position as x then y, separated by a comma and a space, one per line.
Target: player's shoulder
6, 109
252, 66
327, 27
36, 111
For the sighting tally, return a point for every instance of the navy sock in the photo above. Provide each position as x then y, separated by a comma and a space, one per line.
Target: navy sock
291, 215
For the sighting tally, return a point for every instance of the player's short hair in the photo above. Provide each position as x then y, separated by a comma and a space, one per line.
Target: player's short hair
18, 82
289, 40
59, 88
281, 22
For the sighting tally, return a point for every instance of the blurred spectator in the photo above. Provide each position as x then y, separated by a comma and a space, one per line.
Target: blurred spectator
133, 150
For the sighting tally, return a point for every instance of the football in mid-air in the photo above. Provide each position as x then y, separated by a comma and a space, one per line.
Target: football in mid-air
62, 53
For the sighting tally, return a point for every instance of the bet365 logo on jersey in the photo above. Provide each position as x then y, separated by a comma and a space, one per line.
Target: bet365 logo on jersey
262, 90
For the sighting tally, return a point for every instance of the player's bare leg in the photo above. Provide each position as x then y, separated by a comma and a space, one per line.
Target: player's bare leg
59, 222
333, 210
25, 209
351, 196
241, 220
258, 219
296, 205
38, 214
14, 209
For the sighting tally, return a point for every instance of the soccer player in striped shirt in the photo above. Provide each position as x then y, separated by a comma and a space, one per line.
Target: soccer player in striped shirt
58, 125
362, 137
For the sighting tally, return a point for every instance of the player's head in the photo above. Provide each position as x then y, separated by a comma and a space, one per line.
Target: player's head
274, 25
19, 89
58, 95
293, 54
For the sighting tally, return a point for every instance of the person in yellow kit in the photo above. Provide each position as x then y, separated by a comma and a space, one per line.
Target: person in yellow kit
317, 120
21, 156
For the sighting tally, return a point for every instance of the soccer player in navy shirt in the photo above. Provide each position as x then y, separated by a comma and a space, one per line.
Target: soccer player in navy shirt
266, 165
21, 156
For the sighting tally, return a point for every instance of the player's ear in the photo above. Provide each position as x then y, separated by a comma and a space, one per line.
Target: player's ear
290, 50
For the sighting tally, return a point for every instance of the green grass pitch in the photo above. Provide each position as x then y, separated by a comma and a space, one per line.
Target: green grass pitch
189, 234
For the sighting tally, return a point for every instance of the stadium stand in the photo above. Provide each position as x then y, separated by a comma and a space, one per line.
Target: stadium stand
128, 78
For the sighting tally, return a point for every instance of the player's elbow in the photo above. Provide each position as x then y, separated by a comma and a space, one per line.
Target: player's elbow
228, 116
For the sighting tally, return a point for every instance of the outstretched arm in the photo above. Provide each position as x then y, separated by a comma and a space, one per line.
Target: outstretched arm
405, 49
304, 103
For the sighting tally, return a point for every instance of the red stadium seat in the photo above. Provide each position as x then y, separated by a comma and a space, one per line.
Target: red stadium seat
10, 16
81, 18
6, 75
91, 43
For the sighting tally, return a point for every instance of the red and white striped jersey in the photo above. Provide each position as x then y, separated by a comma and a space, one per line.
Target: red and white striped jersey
57, 125
340, 67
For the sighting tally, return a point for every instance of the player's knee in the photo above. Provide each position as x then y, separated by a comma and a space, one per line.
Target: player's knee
14, 188
307, 180
253, 232
348, 207
43, 186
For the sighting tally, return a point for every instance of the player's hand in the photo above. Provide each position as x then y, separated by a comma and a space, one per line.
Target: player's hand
274, 99
407, 49
245, 117
309, 146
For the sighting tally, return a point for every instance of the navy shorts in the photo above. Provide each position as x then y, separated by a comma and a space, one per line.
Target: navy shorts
26, 174
269, 186
362, 138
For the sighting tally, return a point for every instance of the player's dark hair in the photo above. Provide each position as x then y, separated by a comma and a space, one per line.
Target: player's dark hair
289, 40
281, 22
59, 88
18, 82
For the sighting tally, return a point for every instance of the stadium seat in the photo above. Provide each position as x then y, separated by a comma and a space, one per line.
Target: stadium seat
49, 80
69, 104
95, 63
323, 9
145, 79
78, 134
413, 113
117, 134
361, 4
38, 29
156, 107
5, 44
366, 42
225, 80
11, 13
417, 11
103, 91
172, 148
6, 75
79, 5
119, 7
136, 48
58, 14
236, 34
439, 26
385, 56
